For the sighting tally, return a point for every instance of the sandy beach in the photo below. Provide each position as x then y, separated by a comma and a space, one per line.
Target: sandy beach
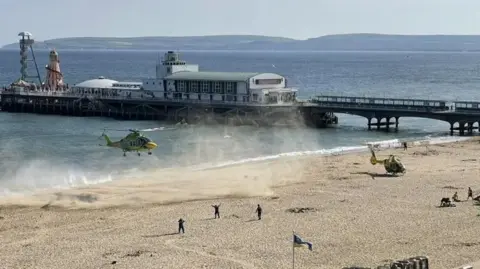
356, 219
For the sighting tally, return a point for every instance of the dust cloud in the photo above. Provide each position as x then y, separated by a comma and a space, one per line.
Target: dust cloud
167, 186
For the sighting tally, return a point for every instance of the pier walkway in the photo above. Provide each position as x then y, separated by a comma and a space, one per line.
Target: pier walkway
463, 116
381, 113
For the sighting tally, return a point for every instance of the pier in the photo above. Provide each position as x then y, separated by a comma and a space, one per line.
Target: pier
171, 110
179, 92
385, 113
380, 113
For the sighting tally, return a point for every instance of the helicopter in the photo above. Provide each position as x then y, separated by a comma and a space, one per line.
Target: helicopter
392, 165
134, 141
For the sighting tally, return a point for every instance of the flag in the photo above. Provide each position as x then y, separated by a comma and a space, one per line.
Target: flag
298, 242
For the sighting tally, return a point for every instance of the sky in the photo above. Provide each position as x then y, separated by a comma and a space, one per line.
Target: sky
300, 19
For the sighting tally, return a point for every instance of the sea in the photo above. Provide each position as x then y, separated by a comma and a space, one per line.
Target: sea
39, 152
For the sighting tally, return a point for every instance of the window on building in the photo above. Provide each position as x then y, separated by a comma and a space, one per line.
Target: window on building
181, 86
268, 81
229, 87
205, 87
217, 87
194, 86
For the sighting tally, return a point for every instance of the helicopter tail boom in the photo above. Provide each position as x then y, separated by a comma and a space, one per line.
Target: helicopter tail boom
107, 139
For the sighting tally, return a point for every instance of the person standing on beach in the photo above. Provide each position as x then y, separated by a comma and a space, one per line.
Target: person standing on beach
217, 210
405, 146
259, 212
180, 225
470, 193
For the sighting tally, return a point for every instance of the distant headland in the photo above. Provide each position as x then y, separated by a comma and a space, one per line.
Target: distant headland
342, 42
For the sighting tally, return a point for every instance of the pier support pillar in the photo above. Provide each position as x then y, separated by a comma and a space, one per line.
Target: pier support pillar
470, 128
369, 123
461, 128
378, 123
396, 123
451, 128
387, 119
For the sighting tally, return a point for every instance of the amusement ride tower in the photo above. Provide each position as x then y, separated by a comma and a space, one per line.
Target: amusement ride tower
26, 41
54, 78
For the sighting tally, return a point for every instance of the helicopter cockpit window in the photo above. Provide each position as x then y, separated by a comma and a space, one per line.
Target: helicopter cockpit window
144, 140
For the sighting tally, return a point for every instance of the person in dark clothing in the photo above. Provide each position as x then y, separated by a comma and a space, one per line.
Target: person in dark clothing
180, 226
470, 193
455, 197
217, 211
259, 212
405, 146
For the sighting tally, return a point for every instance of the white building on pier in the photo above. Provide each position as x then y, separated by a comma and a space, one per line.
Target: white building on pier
103, 87
177, 80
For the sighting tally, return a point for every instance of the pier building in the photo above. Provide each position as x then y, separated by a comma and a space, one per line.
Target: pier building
102, 87
177, 80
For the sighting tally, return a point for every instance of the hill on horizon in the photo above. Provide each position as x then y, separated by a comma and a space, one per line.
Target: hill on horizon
341, 42
153, 42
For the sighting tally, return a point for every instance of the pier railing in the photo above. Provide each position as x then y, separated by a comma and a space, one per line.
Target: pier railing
340, 103
345, 102
369, 106
148, 99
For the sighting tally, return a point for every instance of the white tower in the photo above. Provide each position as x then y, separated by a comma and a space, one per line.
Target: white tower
171, 63
26, 41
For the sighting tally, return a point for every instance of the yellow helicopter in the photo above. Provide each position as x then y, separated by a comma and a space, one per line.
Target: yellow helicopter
135, 141
392, 164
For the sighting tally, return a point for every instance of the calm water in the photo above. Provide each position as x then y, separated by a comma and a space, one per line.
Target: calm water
52, 151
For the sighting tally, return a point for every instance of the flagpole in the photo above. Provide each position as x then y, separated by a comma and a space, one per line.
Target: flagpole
293, 251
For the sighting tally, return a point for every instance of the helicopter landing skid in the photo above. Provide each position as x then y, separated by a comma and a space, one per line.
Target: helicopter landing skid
138, 153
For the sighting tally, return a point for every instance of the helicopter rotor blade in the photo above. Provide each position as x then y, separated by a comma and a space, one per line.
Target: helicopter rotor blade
154, 129
119, 130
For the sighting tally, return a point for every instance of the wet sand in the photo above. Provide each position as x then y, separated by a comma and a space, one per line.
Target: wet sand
359, 216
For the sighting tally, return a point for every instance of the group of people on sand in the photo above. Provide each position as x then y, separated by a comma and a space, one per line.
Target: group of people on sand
216, 214
469, 195
446, 202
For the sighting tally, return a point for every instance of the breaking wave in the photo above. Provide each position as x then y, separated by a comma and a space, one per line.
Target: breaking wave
383, 144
